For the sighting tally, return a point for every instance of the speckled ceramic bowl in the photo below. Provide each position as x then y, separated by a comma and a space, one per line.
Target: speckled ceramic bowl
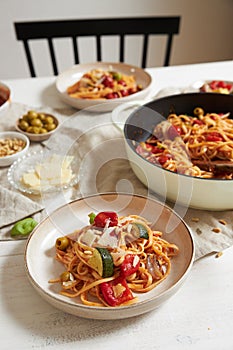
41, 247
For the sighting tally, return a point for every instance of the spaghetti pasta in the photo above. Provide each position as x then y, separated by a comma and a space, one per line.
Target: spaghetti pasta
108, 261
182, 142
103, 84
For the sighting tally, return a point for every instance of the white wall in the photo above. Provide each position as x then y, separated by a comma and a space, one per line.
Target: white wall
205, 32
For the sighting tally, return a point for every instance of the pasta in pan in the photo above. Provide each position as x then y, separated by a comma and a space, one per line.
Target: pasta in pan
101, 84
191, 144
113, 258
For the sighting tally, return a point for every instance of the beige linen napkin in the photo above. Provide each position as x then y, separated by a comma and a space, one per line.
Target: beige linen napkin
15, 206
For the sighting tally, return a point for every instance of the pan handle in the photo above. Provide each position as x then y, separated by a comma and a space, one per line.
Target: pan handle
120, 114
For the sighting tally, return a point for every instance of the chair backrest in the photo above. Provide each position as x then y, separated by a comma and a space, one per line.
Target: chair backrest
145, 26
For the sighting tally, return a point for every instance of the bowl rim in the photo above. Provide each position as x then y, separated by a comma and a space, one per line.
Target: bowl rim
130, 143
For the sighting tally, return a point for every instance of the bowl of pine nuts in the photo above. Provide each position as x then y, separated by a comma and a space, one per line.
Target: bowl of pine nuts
12, 146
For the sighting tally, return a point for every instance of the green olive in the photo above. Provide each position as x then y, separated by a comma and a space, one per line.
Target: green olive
62, 243
65, 276
32, 114
117, 76
198, 111
33, 129
42, 116
50, 127
43, 131
36, 122
30, 129
49, 120
25, 117
23, 124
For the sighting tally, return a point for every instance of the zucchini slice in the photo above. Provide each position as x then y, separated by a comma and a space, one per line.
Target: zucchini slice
140, 230
102, 262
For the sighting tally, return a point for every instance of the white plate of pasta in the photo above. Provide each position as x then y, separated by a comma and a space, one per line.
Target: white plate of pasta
101, 86
85, 271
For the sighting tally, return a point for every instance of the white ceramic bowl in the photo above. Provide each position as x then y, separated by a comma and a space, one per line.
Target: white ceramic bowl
199, 193
74, 215
38, 137
73, 74
8, 160
5, 95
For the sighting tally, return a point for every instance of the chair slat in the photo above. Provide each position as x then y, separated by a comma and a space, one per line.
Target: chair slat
122, 47
98, 48
144, 50
29, 58
75, 49
52, 55
168, 50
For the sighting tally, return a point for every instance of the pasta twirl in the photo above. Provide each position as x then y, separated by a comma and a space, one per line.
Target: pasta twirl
111, 260
103, 84
183, 142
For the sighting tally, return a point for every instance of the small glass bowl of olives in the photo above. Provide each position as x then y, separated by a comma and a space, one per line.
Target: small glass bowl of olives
38, 126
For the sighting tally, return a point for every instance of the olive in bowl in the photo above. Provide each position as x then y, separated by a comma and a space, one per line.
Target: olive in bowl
38, 126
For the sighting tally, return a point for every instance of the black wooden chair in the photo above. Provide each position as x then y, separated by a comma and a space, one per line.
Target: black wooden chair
26, 31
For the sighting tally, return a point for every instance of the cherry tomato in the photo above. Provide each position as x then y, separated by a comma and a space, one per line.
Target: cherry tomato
132, 90
154, 149
122, 82
130, 265
212, 116
174, 131
198, 121
106, 217
108, 82
163, 159
124, 93
229, 87
111, 95
221, 84
214, 136
213, 85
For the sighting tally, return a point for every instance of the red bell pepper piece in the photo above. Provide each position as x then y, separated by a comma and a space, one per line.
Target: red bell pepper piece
130, 265
198, 121
107, 289
214, 136
174, 131
105, 217
154, 149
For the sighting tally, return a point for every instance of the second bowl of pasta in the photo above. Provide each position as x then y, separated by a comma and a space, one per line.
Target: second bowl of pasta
181, 147
101, 86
